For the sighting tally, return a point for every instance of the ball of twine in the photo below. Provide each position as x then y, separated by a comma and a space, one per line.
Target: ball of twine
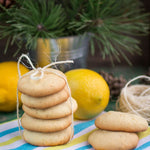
135, 99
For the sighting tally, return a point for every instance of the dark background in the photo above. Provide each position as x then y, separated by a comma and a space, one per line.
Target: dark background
96, 60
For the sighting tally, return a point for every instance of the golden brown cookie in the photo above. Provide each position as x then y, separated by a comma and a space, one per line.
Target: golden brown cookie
45, 101
121, 121
48, 139
111, 140
50, 83
41, 125
54, 112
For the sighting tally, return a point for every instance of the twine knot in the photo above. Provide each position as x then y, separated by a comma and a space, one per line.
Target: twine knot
38, 70
34, 76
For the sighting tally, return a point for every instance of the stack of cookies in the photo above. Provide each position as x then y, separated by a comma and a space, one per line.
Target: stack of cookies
117, 131
48, 108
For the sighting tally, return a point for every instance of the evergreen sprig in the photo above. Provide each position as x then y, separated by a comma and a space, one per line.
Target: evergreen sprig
113, 25
31, 20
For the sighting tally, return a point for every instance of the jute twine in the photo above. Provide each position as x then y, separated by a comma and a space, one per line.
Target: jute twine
135, 99
38, 73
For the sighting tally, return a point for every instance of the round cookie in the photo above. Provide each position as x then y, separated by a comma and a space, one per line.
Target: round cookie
110, 140
50, 83
48, 139
121, 121
41, 125
54, 112
45, 101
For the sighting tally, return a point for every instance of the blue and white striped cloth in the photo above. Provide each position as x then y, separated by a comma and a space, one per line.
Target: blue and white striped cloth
11, 139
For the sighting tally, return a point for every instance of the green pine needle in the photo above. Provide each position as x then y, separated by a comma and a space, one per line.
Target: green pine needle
114, 25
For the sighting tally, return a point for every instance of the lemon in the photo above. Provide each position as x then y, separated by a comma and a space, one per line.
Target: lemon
90, 90
8, 85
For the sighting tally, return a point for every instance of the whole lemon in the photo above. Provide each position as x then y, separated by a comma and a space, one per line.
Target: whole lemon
8, 85
90, 90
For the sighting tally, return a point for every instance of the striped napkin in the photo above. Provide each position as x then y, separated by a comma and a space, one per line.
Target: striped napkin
11, 139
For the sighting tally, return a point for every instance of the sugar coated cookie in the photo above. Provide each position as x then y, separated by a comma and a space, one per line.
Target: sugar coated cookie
54, 112
41, 125
110, 140
45, 101
121, 121
50, 83
48, 139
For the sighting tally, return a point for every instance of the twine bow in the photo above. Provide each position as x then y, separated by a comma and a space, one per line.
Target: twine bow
40, 70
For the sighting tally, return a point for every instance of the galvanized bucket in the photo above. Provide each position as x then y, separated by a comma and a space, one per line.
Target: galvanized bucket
66, 48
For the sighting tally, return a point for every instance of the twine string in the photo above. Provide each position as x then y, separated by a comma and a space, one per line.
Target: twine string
19, 60
36, 74
127, 98
144, 92
125, 90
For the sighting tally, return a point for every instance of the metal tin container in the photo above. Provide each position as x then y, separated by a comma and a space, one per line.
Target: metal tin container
66, 48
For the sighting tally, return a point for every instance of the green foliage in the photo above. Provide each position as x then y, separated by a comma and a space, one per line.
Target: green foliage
30, 20
113, 24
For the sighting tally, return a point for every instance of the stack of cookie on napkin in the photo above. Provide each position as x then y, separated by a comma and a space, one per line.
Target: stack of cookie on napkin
48, 108
117, 131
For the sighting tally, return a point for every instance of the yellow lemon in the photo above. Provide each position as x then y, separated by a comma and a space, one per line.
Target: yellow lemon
90, 90
8, 85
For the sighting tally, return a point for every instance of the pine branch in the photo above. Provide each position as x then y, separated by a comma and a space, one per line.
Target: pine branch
114, 25
33, 20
